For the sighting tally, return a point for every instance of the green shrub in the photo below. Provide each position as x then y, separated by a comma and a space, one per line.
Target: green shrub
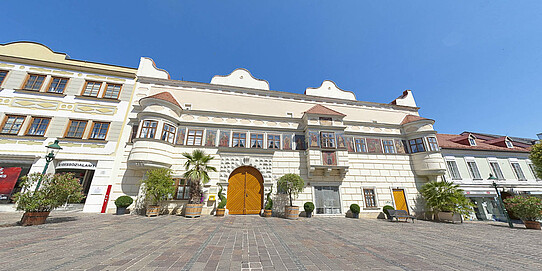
528, 208
223, 200
269, 203
123, 201
386, 208
292, 184
309, 207
158, 185
446, 197
354, 208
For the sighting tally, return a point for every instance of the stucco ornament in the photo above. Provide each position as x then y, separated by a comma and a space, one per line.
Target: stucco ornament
229, 163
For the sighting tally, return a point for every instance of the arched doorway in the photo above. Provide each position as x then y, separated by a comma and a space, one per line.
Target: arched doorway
245, 191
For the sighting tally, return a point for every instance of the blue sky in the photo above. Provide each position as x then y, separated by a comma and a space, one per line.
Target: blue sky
472, 65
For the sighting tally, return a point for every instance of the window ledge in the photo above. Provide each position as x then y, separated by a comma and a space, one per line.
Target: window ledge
371, 208
25, 91
85, 140
97, 99
22, 137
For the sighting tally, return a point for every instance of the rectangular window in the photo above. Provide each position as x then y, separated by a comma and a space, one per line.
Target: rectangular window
76, 128
389, 147
12, 125
433, 145
168, 133
3, 75
38, 126
416, 145
112, 91
273, 142
326, 200
328, 139
239, 140
148, 130
92, 89
57, 85
473, 169
195, 137
360, 145
181, 189
326, 121
256, 141
370, 198
496, 169
453, 170
518, 172
34, 82
99, 130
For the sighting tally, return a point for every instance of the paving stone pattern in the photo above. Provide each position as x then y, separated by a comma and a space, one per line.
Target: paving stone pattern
78, 241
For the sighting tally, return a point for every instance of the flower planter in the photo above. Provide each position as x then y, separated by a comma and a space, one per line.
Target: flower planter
355, 215
220, 211
153, 210
121, 210
267, 213
449, 217
534, 225
34, 218
193, 210
291, 212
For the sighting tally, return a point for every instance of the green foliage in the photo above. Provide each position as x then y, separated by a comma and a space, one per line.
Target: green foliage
55, 190
269, 203
386, 208
536, 158
292, 184
123, 201
158, 185
354, 208
309, 207
223, 200
528, 208
446, 197
197, 169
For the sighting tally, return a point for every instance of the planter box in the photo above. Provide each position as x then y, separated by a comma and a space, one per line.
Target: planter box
291, 212
193, 210
449, 217
34, 218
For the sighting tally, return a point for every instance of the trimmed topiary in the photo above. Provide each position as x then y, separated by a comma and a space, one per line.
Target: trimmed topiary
354, 208
123, 201
309, 207
386, 208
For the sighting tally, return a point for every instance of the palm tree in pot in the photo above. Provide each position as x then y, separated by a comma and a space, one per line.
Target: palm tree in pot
197, 168
445, 199
291, 184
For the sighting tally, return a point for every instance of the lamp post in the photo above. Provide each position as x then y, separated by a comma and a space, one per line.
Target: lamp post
52, 151
492, 178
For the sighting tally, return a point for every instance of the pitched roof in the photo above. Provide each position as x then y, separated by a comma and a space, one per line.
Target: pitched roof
522, 140
449, 141
411, 118
165, 96
322, 110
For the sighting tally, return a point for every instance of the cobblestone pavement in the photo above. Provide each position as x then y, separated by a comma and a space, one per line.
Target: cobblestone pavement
78, 241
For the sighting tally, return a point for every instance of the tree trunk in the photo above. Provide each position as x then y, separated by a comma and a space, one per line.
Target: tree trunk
291, 204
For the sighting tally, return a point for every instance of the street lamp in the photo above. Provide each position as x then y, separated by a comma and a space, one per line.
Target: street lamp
492, 178
52, 151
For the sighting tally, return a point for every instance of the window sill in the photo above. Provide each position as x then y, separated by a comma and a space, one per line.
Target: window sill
22, 137
85, 140
371, 208
34, 92
97, 99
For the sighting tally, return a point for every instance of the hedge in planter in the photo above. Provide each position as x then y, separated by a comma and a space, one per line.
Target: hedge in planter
309, 208
385, 210
355, 209
159, 185
268, 209
291, 184
222, 204
527, 208
122, 203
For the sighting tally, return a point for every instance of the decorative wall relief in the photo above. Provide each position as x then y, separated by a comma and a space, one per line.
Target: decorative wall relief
224, 138
228, 164
300, 143
374, 145
314, 139
287, 141
210, 138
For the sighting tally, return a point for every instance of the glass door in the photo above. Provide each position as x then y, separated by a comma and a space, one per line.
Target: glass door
327, 200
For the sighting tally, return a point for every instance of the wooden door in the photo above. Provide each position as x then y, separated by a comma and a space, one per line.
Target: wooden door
245, 191
400, 201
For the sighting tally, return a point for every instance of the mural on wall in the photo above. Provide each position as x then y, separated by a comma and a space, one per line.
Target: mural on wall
224, 139
210, 138
341, 142
287, 141
328, 158
399, 146
300, 142
180, 136
314, 140
349, 143
374, 145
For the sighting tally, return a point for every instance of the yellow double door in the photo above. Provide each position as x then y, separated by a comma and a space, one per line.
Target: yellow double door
245, 191
400, 200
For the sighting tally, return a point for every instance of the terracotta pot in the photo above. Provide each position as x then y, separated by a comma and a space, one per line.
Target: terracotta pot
34, 218
535, 225
291, 212
267, 213
220, 211
193, 210
153, 210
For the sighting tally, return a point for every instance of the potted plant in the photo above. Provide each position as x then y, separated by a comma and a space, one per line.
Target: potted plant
309, 208
354, 208
385, 210
291, 184
55, 191
268, 209
158, 186
446, 200
527, 208
197, 168
122, 203
220, 210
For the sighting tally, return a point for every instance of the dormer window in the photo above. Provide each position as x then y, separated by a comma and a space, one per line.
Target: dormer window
509, 143
472, 140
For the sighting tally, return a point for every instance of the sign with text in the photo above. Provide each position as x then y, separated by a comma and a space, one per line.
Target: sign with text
8, 179
76, 165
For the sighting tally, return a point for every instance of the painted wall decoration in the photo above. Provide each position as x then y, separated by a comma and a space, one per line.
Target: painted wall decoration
300, 143
287, 141
329, 158
180, 136
374, 145
399, 146
314, 139
210, 138
341, 141
224, 138
349, 143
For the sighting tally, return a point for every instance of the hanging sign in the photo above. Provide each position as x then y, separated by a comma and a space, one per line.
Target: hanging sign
76, 165
8, 179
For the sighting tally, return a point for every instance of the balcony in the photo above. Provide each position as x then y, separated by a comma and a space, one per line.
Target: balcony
428, 163
320, 162
149, 153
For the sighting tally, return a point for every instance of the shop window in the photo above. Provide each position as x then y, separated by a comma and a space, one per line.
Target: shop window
389, 147
57, 85
496, 170
370, 197
328, 139
239, 140
3, 75
34, 82
329, 158
256, 141
112, 91
518, 172
148, 130
12, 124
473, 169
182, 189
361, 146
168, 133
91, 89
453, 170
195, 137
38, 127
416, 145
327, 200
432, 142
76, 128
99, 130
273, 142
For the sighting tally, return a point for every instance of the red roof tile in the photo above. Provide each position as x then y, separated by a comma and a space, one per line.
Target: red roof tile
166, 96
322, 110
448, 141
411, 118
